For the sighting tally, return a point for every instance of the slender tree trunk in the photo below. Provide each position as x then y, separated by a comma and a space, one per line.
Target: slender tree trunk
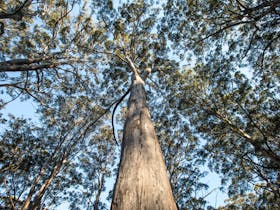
142, 181
99, 191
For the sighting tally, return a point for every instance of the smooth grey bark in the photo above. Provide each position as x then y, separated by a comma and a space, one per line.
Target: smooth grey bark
142, 181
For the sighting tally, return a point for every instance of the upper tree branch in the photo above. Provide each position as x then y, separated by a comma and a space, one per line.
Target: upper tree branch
32, 64
224, 28
29, 67
256, 144
253, 13
17, 14
272, 4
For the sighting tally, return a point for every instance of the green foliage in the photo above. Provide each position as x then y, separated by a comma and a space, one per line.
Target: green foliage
232, 95
213, 94
45, 45
240, 130
70, 140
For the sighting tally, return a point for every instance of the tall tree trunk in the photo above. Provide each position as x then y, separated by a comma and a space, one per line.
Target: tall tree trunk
142, 181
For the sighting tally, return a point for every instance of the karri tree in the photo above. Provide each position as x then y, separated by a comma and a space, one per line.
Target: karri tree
142, 181
201, 83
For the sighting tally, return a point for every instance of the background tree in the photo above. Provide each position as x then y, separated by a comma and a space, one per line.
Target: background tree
42, 166
42, 46
231, 96
53, 75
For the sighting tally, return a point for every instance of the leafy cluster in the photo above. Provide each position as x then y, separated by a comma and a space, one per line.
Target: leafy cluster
213, 93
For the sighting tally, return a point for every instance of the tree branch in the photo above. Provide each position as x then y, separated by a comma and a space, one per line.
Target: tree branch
9, 195
257, 146
17, 13
29, 67
224, 28
114, 110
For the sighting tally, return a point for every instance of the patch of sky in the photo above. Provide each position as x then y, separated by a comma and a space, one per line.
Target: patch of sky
213, 195
23, 109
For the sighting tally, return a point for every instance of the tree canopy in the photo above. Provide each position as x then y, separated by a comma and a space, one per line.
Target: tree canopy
212, 81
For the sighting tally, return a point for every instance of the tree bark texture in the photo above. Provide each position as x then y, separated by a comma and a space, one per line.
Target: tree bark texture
142, 181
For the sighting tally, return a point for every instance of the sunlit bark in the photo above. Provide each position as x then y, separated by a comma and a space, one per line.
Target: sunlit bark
142, 181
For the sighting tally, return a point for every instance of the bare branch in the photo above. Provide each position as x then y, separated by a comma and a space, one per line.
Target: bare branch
13, 99
2, 28
9, 195
114, 110
224, 28
28, 67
